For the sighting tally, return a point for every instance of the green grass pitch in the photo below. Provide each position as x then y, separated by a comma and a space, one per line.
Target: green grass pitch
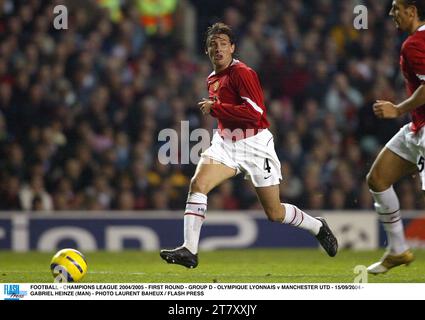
222, 266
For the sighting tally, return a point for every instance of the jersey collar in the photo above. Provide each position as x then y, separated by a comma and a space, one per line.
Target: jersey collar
234, 61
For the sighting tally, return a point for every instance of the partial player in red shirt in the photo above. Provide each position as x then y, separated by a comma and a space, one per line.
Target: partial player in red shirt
405, 152
242, 144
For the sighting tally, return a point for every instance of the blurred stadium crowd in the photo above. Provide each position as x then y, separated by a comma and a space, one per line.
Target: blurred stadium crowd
80, 109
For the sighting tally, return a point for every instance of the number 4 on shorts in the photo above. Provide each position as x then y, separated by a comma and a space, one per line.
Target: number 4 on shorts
267, 165
421, 164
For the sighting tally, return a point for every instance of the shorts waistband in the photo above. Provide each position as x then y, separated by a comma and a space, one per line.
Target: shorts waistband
237, 135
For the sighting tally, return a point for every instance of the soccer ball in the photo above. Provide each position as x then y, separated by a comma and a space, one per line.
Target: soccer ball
68, 265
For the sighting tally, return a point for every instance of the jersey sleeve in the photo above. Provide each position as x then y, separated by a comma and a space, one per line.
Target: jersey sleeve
415, 56
246, 84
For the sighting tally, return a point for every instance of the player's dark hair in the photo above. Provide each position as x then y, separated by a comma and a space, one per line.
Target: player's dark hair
219, 28
420, 6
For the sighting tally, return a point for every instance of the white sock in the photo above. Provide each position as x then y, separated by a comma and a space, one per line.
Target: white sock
388, 208
194, 215
297, 218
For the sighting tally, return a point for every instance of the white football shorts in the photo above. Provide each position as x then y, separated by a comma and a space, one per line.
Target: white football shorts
255, 157
411, 147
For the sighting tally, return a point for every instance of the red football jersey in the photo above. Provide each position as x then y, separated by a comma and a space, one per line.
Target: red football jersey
239, 100
412, 61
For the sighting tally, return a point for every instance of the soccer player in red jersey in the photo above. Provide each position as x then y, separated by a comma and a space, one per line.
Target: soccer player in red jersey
405, 152
242, 144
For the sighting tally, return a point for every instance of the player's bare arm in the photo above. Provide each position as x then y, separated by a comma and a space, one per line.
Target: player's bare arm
388, 110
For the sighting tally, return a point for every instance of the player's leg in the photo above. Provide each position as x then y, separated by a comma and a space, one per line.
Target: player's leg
209, 174
289, 214
259, 161
387, 169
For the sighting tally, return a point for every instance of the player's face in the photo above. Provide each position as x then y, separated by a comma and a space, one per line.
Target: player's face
402, 15
220, 50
